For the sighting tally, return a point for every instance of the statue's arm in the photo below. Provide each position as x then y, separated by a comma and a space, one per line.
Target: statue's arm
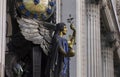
71, 51
71, 41
60, 48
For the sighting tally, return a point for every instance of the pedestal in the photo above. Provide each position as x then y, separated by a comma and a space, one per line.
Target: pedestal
37, 55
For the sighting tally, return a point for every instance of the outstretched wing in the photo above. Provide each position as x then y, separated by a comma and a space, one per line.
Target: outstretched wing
38, 32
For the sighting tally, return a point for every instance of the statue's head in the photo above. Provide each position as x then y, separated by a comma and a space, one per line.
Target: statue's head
61, 27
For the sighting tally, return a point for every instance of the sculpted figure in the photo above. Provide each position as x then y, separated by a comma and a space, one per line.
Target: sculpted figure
36, 22
55, 46
60, 52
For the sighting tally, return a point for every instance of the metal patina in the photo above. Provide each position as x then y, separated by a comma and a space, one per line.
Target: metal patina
38, 9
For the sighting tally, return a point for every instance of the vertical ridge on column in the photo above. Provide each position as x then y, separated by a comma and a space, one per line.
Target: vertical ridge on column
88, 43
2, 36
78, 58
58, 11
94, 49
81, 58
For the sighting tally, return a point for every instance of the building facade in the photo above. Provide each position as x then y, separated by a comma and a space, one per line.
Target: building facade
98, 36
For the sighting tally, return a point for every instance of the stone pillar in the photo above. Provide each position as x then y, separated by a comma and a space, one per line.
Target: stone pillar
81, 39
107, 59
2, 35
94, 65
58, 11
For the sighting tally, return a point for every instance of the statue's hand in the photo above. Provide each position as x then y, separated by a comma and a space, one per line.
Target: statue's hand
71, 52
73, 36
72, 26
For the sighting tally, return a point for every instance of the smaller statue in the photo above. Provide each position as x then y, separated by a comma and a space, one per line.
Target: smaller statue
61, 51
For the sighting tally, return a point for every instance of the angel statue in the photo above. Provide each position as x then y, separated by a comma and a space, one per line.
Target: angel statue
52, 42
35, 20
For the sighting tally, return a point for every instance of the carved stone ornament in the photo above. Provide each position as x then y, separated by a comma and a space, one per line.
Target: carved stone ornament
37, 31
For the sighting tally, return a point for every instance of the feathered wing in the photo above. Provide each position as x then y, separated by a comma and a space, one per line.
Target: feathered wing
37, 32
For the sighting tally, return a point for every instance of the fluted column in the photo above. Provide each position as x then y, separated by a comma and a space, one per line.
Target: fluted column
107, 59
58, 11
94, 64
81, 39
2, 35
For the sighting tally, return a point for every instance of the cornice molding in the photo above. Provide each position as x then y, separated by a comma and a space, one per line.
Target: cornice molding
118, 9
110, 22
107, 7
110, 17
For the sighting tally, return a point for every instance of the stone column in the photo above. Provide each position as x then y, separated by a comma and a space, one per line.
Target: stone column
58, 11
88, 54
2, 35
107, 59
94, 64
81, 39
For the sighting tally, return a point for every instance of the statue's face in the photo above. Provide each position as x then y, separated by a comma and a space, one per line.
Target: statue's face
64, 30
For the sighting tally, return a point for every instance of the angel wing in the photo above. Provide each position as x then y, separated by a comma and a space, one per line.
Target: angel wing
38, 32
